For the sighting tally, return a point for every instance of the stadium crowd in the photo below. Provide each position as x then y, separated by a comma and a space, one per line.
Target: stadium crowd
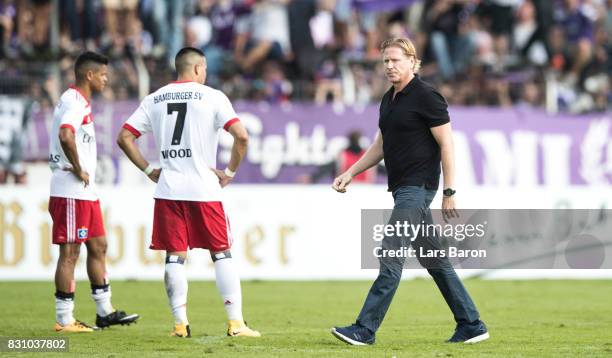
478, 52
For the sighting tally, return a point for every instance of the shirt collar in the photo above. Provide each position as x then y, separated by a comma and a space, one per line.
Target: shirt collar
408, 87
74, 87
184, 81
411, 84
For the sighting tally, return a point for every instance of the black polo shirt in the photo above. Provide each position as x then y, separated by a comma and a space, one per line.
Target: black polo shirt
412, 155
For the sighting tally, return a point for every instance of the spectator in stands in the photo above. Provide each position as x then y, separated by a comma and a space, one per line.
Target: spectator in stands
264, 36
345, 159
211, 29
608, 19
595, 78
79, 19
578, 31
530, 95
168, 22
527, 38
43, 94
140, 41
327, 76
118, 16
306, 55
41, 15
123, 79
198, 32
14, 114
501, 14
353, 39
33, 20
7, 24
328, 83
273, 87
450, 42
484, 53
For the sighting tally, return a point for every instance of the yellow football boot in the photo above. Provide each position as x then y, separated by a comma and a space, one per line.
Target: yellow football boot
74, 327
239, 329
181, 330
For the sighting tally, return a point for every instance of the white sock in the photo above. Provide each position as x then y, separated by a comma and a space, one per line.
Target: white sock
101, 295
176, 288
228, 284
64, 306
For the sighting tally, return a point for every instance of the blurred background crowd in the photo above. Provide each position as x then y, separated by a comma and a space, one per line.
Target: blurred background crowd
553, 54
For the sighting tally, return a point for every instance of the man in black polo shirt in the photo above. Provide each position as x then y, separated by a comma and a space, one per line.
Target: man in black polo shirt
414, 136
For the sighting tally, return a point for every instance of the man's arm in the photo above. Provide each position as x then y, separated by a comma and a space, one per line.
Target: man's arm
372, 156
443, 135
127, 142
239, 148
68, 143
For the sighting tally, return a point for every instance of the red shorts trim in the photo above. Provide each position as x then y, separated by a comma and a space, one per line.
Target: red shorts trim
74, 220
180, 225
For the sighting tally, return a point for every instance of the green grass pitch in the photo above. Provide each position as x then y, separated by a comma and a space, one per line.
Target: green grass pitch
526, 319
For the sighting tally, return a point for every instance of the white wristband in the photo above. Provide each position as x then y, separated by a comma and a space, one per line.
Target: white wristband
229, 172
149, 169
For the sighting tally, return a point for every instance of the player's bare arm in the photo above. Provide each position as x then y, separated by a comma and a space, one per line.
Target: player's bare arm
443, 135
127, 142
372, 157
66, 137
239, 148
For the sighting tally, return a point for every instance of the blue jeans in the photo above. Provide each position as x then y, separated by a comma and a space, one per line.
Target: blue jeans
417, 199
168, 23
453, 53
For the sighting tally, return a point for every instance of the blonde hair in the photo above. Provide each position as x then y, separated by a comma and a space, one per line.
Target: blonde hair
405, 45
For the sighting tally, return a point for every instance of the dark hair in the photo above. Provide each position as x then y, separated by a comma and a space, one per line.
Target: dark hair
354, 138
180, 60
85, 61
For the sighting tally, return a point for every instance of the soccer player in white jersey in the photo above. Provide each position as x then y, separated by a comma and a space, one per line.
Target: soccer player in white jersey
185, 117
73, 204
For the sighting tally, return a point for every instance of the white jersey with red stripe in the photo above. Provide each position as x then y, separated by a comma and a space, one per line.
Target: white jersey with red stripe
185, 118
74, 112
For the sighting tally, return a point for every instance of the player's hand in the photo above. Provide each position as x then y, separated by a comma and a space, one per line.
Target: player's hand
154, 176
81, 174
448, 208
341, 182
223, 179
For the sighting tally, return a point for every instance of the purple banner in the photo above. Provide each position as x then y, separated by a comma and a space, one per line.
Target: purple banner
498, 147
382, 5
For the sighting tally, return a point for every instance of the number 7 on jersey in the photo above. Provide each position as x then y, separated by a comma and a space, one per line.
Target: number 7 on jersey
181, 108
